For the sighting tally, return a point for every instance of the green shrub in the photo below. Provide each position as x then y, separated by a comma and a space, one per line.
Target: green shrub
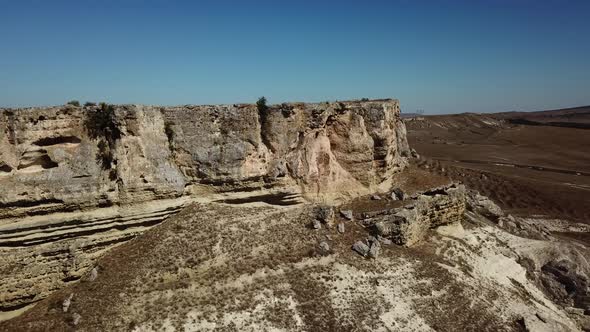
89, 103
364, 99
261, 104
104, 155
170, 134
102, 124
73, 103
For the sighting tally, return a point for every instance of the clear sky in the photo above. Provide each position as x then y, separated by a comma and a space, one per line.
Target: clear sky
440, 56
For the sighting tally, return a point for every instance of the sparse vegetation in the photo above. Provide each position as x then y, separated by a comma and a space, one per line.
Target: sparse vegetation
89, 103
101, 124
170, 134
261, 104
73, 103
364, 99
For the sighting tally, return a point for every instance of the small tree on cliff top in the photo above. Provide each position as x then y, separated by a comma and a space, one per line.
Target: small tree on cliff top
261, 104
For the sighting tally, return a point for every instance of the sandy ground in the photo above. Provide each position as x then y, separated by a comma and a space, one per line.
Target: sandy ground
527, 169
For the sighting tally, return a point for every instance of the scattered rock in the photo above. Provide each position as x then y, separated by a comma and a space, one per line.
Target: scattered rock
317, 224
325, 214
324, 248
483, 205
384, 240
93, 274
371, 239
541, 317
76, 318
376, 197
399, 194
414, 153
361, 248
341, 228
347, 214
67, 302
374, 250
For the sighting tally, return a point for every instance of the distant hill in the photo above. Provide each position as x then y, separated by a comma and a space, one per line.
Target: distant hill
575, 117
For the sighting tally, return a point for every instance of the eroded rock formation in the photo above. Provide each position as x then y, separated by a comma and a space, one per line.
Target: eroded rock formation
78, 180
409, 224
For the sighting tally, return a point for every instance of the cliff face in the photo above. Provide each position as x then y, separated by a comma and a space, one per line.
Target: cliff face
50, 161
78, 180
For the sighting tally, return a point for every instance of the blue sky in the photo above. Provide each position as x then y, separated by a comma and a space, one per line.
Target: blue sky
440, 56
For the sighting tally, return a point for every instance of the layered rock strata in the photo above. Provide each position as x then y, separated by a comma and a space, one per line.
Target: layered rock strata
408, 225
88, 178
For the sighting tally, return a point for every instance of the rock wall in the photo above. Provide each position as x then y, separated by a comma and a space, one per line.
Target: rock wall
49, 162
409, 224
78, 180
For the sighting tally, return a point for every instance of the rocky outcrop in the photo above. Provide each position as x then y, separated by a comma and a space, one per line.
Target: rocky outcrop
408, 225
40, 254
560, 268
92, 177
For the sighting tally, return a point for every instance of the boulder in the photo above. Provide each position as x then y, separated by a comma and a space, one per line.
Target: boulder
324, 248
398, 194
361, 248
483, 205
93, 274
384, 240
409, 224
316, 224
393, 196
76, 318
67, 302
374, 249
347, 214
325, 214
567, 282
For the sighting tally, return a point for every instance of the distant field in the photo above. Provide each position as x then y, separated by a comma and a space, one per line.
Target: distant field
535, 162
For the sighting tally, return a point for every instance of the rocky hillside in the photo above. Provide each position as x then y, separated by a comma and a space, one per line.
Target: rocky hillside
412, 259
79, 180
294, 217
